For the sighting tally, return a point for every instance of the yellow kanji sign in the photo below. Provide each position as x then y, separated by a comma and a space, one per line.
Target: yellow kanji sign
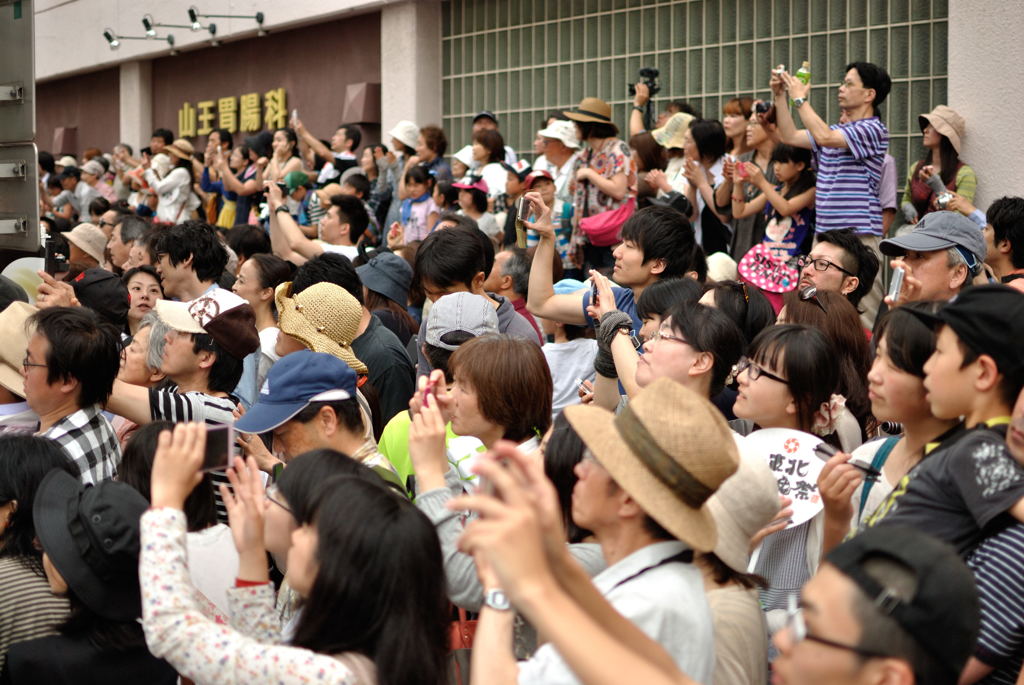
275, 108
249, 104
186, 121
227, 111
206, 117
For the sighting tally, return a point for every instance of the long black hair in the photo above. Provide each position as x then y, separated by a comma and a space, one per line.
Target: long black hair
909, 342
381, 571
745, 305
949, 158
783, 153
563, 451
24, 461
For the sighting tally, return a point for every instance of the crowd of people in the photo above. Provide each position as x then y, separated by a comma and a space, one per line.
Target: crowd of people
304, 410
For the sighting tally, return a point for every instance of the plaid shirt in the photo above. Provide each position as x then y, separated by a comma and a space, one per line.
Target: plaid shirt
90, 442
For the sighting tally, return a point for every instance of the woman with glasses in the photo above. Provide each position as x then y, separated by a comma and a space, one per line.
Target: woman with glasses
788, 375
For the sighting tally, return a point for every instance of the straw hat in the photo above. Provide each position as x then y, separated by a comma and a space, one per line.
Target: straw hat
947, 122
743, 505
324, 317
12, 352
591, 109
89, 238
180, 148
669, 449
673, 133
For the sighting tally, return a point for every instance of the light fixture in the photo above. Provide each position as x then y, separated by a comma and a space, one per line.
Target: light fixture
114, 40
147, 23
194, 15
150, 26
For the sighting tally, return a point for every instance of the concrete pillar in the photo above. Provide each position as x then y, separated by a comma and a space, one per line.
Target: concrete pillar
136, 116
410, 64
986, 86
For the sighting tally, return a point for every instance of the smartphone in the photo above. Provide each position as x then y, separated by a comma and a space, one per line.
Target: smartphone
522, 207
295, 114
56, 260
593, 291
429, 388
896, 285
219, 440
741, 170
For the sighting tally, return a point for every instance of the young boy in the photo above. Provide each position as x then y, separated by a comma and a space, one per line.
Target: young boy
969, 480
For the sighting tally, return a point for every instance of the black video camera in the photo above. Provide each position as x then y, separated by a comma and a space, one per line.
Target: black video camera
649, 77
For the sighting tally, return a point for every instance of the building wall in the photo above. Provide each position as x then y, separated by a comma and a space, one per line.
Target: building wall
89, 101
986, 86
524, 58
314, 64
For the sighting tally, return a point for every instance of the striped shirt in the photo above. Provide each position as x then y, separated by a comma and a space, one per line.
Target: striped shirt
998, 566
89, 441
849, 178
196, 406
28, 608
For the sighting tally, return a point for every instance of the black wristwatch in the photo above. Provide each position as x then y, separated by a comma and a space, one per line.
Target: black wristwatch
282, 208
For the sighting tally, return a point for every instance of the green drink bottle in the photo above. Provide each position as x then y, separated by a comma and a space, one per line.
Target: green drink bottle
803, 74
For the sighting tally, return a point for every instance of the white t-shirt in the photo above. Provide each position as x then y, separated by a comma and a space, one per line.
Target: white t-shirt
350, 251
569, 361
213, 563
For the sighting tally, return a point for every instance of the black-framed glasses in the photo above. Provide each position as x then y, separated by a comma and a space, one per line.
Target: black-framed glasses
754, 371
810, 294
273, 494
822, 264
26, 364
798, 633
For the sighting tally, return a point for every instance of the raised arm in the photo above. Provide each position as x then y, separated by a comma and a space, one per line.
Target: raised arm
131, 402
312, 141
785, 127
541, 299
286, 238
785, 207
817, 127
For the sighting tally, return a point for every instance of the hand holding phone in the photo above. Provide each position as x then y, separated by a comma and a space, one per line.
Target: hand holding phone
219, 440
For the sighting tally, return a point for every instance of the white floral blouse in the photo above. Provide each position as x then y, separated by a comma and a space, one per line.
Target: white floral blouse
210, 653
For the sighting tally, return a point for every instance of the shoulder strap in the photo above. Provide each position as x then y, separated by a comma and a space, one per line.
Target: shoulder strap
880, 456
684, 557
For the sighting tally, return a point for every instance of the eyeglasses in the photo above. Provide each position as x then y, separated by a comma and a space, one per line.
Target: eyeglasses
810, 294
273, 494
659, 335
798, 633
26, 364
754, 371
821, 264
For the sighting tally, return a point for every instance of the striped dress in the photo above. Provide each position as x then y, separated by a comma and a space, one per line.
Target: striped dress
849, 178
998, 566
28, 609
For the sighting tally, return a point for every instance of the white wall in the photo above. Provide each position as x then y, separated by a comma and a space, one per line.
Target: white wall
410, 64
986, 86
69, 33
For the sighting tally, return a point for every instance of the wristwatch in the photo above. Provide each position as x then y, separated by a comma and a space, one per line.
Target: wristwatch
497, 600
638, 108
282, 208
799, 102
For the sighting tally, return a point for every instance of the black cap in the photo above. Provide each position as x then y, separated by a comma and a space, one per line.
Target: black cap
91, 535
485, 113
989, 319
104, 293
10, 292
943, 615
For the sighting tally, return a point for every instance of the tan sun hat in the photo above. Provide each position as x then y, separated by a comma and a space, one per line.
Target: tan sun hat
89, 238
591, 109
324, 317
743, 505
946, 121
673, 133
669, 449
12, 352
180, 148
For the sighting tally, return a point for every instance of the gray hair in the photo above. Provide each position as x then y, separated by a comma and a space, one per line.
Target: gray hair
155, 353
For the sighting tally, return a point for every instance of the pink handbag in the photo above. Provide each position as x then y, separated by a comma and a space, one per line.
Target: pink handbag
603, 229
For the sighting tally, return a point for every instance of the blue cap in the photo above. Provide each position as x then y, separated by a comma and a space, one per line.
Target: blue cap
293, 382
567, 286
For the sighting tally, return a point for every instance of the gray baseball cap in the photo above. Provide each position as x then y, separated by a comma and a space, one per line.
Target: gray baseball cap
459, 312
940, 231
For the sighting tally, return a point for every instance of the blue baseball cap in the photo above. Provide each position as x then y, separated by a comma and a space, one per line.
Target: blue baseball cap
293, 382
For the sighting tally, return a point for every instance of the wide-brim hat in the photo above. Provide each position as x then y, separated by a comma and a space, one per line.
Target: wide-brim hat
464, 155
91, 535
89, 238
180, 148
946, 121
13, 330
564, 131
744, 504
591, 109
324, 317
673, 133
669, 449
388, 274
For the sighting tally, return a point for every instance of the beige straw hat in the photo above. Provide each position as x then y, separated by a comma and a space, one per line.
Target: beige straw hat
591, 109
89, 238
673, 133
324, 317
669, 449
12, 352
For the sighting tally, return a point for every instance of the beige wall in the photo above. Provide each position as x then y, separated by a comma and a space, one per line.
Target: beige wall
986, 86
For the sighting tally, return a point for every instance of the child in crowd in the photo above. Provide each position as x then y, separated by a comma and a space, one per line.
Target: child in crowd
419, 211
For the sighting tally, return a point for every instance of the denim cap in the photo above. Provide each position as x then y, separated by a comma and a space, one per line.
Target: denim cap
293, 382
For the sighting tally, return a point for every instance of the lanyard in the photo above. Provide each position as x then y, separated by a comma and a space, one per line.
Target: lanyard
684, 557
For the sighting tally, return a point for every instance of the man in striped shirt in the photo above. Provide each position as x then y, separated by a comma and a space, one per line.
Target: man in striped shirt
849, 156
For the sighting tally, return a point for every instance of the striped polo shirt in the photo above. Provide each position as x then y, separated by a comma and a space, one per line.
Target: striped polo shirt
849, 178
